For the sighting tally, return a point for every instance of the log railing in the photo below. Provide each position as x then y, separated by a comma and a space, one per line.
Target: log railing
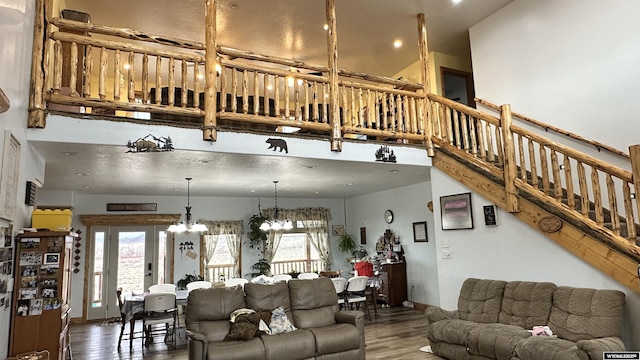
100, 70
597, 145
587, 189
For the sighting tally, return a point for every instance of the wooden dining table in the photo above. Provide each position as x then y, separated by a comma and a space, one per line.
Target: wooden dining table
134, 303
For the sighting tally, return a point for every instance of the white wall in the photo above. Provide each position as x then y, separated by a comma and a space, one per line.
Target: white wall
16, 32
512, 250
409, 205
571, 63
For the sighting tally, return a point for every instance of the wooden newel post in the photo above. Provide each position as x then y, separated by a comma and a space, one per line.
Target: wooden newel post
634, 154
424, 73
510, 173
210, 87
332, 51
36, 117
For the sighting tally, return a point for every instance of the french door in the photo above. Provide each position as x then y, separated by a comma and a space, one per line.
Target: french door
130, 257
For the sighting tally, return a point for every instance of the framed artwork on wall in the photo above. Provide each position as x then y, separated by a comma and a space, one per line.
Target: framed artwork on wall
420, 231
456, 212
9, 178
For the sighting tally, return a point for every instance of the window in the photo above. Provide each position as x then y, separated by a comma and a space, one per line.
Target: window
296, 253
221, 264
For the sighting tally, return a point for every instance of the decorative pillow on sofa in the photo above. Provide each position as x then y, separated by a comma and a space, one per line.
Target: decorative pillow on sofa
280, 322
247, 326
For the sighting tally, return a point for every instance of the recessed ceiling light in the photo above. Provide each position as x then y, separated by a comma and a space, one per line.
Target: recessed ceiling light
70, 153
310, 166
127, 66
82, 174
86, 187
397, 43
269, 87
317, 192
252, 190
326, 27
349, 184
176, 189
205, 161
456, 1
394, 171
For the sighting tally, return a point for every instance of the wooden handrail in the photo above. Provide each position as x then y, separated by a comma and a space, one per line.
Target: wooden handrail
125, 33
582, 157
545, 126
465, 109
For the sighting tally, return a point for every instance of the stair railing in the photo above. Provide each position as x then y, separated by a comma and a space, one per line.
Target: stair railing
569, 180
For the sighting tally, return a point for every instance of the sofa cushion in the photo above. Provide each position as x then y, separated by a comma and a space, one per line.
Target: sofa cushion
526, 304
582, 314
480, 300
548, 348
294, 345
336, 338
208, 310
267, 296
314, 303
451, 331
236, 350
495, 341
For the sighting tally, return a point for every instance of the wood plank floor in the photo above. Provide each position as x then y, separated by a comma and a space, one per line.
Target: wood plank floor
396, 333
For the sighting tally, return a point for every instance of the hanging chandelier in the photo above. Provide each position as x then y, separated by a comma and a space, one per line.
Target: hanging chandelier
187, 225
276, 223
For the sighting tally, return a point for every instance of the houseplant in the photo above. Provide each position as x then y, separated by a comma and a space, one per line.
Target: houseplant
346, 242
182, 283
257, 240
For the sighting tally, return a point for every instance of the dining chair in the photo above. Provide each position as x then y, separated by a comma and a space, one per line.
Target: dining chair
198, 285
281, 277
123, 318
339, 283
162, 288
308, 275
159, 309
262, 279
235, 281
32, 355
355, 293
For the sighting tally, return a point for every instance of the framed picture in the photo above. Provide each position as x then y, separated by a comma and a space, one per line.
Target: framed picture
489, 215
455, 212
420, 231
9, 177
337, 230
51, 258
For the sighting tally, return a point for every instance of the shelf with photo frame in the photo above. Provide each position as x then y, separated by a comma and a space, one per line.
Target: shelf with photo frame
41, 293
6, 266
388, 248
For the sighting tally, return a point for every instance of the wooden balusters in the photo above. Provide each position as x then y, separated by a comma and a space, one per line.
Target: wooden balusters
532, 164
265, 89
234, 90
145, 78
172, 81
245, 91
628, 211
555, 170
276, 94
131, 88
223, 87
158, 80
73, 69
196, 85
256, 94
568, 179
613, 205
117, 76
634, 154
523, 165
597, 196
585, 206
102, 77
86, 72
183, 85
544, 168
57, 63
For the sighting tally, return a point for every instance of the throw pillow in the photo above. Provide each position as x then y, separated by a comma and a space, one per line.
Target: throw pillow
280, 322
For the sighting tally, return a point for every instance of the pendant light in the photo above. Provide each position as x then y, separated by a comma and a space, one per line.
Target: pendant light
276, 223
187, 225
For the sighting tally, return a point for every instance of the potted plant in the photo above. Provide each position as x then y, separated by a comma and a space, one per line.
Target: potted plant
257, 240
188, 278
346, 243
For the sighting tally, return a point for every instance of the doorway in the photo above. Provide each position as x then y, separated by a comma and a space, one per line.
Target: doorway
130, 257
457, 85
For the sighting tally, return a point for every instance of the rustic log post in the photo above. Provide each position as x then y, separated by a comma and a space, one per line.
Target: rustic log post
510, 175
36, 95
634, 153
424, 74
332, 46
210, 123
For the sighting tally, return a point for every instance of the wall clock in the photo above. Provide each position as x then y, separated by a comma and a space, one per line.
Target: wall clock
388, 216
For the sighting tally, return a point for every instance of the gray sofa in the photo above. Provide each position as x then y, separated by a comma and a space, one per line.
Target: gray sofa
323, 332
493, 319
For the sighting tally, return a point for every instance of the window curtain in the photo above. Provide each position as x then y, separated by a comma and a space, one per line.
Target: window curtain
206, 253
315, 222
232, 230
318, 234
271, 245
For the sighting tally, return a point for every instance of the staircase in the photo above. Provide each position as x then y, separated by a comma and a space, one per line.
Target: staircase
554, 189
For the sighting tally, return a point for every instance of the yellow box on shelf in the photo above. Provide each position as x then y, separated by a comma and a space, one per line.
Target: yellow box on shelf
52, 219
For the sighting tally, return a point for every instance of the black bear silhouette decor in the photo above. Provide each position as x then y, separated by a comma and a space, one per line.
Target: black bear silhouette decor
277, 144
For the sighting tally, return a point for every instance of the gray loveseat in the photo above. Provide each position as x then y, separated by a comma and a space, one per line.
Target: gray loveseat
493, 319
323, 332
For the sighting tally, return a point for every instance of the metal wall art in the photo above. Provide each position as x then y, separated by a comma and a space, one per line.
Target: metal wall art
150, 143
277, 144
385, 154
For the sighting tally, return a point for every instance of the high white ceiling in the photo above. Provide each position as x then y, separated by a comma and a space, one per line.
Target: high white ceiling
366, 31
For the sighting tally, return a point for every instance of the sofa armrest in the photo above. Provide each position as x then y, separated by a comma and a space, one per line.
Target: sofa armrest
350, 317
198, 345
595, 347
436, 313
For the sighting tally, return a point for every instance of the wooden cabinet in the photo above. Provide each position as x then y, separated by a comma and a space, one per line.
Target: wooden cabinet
393, 283
42, 290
